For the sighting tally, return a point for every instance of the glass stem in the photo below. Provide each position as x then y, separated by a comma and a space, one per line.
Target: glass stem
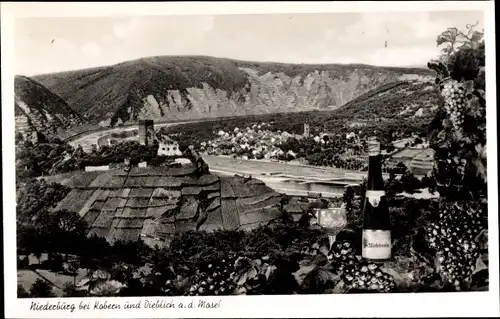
331, 240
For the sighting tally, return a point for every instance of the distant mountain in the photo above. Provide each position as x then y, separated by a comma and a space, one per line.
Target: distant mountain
186, 87
40, 110
396, 100
391, 111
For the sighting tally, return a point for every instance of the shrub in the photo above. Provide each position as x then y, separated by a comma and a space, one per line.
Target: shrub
22, 262
21, 292
70, 290
41, 289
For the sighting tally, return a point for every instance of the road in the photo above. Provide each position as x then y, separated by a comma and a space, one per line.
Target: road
92, 137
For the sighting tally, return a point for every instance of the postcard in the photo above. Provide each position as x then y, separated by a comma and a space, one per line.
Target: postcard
249, 159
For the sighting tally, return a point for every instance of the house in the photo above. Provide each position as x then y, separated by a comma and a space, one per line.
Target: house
97, 168
168, 147
183, 161
22, 126
403, 143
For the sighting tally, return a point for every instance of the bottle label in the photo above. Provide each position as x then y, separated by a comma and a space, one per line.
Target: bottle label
374, 197
373, 147
376, 244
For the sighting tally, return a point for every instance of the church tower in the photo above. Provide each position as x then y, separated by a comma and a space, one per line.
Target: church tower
306, 129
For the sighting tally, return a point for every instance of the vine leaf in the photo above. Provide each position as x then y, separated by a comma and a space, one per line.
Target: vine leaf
448, 36
252, 273
339, 288
480, 168
256, 263
476, 38
440, 68
482, 239
182, 284
480, 264
243, 279
270, 271
319, 280
306, 267
468, 86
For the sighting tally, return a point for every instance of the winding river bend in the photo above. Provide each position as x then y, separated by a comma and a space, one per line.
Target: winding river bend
284, 177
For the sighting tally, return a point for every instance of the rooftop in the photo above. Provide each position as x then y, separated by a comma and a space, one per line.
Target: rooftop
154, 203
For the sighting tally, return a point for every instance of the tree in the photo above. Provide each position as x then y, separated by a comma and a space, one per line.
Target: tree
19, 138
400, 168
41, 289
285, 216
30, 240
22, 262
72, 267
69, 290
69, 231
392, 185
390, 148
410, 182
21, 292
348, 198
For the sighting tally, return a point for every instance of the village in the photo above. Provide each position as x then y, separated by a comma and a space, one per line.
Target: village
260, 143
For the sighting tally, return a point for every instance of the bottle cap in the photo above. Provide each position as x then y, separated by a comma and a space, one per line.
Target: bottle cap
373, 146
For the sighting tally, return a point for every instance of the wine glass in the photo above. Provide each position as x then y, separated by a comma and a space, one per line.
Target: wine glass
332, 220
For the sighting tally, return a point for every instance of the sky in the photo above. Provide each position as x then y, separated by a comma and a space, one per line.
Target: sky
45, 45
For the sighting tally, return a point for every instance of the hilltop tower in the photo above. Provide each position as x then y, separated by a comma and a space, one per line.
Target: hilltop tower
146, 132
306, 129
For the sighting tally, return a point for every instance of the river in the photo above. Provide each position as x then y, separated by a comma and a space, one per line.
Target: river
291, 179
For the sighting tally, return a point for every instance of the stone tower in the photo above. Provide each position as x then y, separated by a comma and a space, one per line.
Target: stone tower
306, 130
146, 132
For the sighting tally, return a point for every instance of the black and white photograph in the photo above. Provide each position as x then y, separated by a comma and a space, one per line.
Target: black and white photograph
206, 156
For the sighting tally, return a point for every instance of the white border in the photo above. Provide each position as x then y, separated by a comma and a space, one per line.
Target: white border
393, 305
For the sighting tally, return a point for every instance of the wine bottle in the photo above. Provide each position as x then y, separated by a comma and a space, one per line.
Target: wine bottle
376, 243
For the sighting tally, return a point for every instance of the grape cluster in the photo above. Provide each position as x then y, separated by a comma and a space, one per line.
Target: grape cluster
457, 261
213, 279
453, 237
371, 277
343, 257
356, 274
455, 100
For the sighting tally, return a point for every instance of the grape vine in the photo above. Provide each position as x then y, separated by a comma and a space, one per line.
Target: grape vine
459, 140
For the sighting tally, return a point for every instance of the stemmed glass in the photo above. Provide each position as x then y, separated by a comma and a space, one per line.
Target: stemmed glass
332, 220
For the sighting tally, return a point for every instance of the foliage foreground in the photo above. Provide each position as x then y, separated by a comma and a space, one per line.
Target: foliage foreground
284, 257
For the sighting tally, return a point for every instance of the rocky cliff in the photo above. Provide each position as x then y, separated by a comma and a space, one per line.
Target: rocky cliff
173, 87
38, 110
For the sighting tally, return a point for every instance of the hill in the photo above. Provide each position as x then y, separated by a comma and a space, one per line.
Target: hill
40, 110
396, 109
182, 87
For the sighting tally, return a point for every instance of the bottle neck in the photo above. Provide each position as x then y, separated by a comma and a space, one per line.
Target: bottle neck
375, 172
374, 163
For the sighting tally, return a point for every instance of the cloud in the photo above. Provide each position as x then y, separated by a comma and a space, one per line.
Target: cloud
401, 56
316, 38
126, 28
91, 49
